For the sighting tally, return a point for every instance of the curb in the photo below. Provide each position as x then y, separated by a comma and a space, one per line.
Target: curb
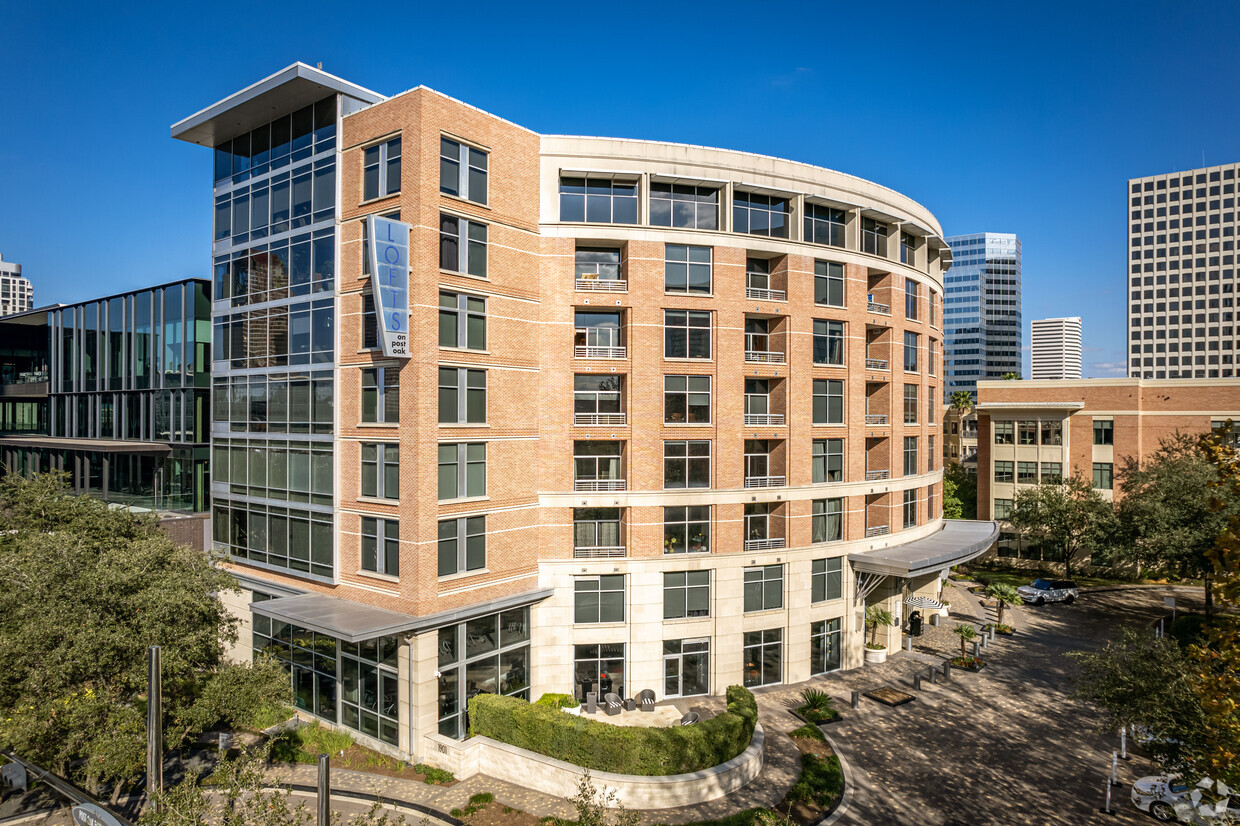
363, 797
841, 805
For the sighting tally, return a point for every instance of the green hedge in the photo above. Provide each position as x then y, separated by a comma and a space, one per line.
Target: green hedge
622, 749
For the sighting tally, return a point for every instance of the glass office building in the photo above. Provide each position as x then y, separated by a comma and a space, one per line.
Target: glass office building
981, 310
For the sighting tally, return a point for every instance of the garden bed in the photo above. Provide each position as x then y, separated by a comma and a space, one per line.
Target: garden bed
305, 743
1001, 628
974, 664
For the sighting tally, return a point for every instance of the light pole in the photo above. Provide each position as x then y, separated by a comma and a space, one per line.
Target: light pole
154, 724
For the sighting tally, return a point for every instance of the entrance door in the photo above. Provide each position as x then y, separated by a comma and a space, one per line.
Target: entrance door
686, 667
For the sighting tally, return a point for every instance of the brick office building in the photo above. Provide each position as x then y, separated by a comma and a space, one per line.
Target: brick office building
667, 420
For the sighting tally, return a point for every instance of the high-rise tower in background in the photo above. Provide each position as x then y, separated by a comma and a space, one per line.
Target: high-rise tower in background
981, 310
1181, 274
16, 293
1056, 352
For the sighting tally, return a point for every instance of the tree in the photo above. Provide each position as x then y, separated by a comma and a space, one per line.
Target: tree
967, 633
1011, 376
87, 589
1004, 595
962, 400
1068, 514
875, 617
965, 493
1171, 513
600, 807
952, 507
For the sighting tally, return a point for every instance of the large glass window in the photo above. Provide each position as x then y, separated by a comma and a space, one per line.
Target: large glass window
764, 657
686, 464
910, 455
910, 404
828, 520
1051, 472
687, 269
824, 225
910, 508
597, 264
686, 399
1103, 475
462, 246
686, 594
686, 334
829, 283
381, 470
1005, 472
828, 460
462, 545
764, 588
597, 532
381, 546
824, 646
598, 598
369, 694
489, 654
682, 205
686, 529
1052, 432
910, 352
756, 214
912, 297
462, 470
1027, 473
597, 466
598, 399
380, 394
462, 171
1104, 432
381, 169
462, 396
828, 342
827, 579
828, 401
686, 667
1005, 433
598, 200
1027, 433
873, 237
598, 334
1003, 508
462, 321
598, 669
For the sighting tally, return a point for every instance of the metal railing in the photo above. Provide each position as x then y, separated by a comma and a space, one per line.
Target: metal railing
871, 418
875, 307
599, 285
600, 484
764, 544
875, 475
588, 352
764, 481
764, 419
875, 364
599, 418
601, 552
764, 356
878, 530
765, 295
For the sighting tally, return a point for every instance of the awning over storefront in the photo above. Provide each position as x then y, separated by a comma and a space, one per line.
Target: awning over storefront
959, 541
95, 445
355, 621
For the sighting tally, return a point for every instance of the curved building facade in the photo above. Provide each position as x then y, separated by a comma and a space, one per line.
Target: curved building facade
662, 416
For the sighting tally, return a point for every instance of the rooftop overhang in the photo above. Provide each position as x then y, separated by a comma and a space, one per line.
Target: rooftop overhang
1066, 407
959, 541
272, 97
355, 621
91, 445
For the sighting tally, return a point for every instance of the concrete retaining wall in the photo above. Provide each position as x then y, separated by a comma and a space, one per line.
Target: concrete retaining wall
556, 777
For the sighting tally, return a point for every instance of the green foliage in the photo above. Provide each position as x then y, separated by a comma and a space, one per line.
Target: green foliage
1004, 596
962, 400
1069, 515
304, 744
877, 616
809, 732
817, 706
623, 749
821, 781
87, 589
963, 491
477, 802
264, 718
435, 776
557, 701
1011, 377
966, 632
1188, 629
598, 807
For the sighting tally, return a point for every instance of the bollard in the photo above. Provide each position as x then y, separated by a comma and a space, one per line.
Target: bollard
992, 633
947, 671
1106, 807
917, 682
934, 674
934, 619
977, 649
908, 643
325, 790
984, 640
856, 699
1115, 768
1123, 742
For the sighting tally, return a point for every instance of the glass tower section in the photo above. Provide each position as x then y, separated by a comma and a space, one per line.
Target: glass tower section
981, 310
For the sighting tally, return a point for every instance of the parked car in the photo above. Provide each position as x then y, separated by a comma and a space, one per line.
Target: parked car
1158, 794
1043, 591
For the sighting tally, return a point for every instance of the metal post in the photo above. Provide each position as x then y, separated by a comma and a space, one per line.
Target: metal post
856, 699
908, 643
947, 671
992, 633
154, 724
1106, 807
977, 649
917, 682
325, 790
1123, 742
1114, 768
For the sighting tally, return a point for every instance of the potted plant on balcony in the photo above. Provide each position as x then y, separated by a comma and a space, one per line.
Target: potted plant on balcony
876, 616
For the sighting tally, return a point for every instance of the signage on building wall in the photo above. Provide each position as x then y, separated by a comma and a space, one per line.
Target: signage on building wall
389, 280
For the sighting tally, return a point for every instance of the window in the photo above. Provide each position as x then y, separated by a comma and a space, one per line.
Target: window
910, 352
828, 401
462, 321
755, 214
596, 466
908, 252
597, 264
931, 505
824, 646
597, 399
1103, 475
824, 225
1052, 472
462, 470
462, 171
758, 525
1005, 433
1052, 432
757, 399
596, 532
686, 334
598, 669
1003, 508
1027, 433
873, 237
910, 509
829, 283
758, 463
381, 394
381, 470
686, 667
686, 594
686, 529
686, 399
598, 335
598, 598
686, 269
910, 455
827, 579
1104, 432
764, 657
490, 653
910, 404
462, 396
828, 524
828, 460
1027, 473
828, 342
686, 464
1004, 471
931, 456
934, 299
381, 546
462, 545
462, 246
912, 296
381, 170
764, 588
757, 277
598, 200
370, 323
682, 205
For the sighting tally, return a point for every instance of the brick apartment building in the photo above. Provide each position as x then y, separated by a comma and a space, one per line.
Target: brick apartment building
668, 418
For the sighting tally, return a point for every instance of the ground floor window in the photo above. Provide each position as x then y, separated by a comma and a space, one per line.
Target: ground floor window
824, 646
764, 657
487, 655
686, 667
598, 668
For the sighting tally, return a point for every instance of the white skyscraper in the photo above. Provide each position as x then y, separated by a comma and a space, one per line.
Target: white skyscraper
16, 293
1056, 348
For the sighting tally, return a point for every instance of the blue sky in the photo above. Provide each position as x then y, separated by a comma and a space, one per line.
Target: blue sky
1025, 118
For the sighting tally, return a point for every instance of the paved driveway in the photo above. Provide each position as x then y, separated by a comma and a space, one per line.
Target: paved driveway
1005, 746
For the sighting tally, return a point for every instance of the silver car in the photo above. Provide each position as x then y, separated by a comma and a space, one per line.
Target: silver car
1043, 591
1158, 795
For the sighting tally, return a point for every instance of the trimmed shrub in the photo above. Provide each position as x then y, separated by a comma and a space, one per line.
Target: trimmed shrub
557, 701
622, 749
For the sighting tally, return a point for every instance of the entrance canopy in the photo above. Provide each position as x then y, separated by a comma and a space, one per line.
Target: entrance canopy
959, 541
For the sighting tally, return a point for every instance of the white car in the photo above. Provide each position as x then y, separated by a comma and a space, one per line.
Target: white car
1043, 591
1158, 795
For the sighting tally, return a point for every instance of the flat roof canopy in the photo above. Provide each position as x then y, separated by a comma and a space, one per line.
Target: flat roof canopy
95, 445
355, 621
959, 541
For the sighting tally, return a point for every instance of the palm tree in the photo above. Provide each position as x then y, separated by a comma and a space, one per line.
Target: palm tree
962, 400
967, 633
1003, 595
876, 615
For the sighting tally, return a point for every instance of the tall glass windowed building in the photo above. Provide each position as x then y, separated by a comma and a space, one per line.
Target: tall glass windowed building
981, 310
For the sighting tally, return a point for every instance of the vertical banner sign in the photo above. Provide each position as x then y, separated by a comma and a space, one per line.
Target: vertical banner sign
389, 280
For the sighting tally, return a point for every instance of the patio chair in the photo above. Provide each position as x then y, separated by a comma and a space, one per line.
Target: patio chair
645, 699
614, 704
690, 718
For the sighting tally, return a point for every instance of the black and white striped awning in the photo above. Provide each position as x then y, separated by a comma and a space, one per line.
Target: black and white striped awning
924, 603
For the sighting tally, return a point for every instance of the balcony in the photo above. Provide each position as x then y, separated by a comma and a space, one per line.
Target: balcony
598, 285
588, 352
599, 418
600, 484
877, 475
874, 419
764, 356
764, 419
765, 295
876, 364
764, 481
764, 544
878, 309
877, 530
605, 552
